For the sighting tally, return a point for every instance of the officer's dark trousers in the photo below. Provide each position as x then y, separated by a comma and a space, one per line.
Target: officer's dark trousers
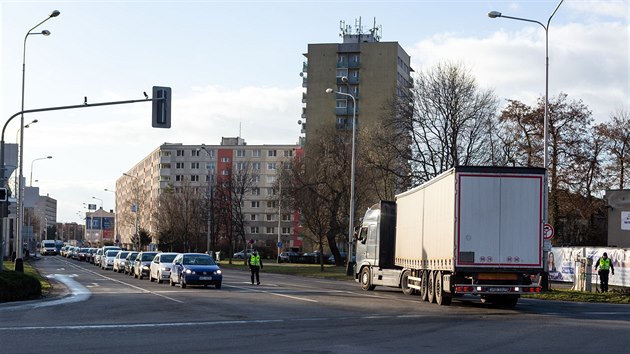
255, 272
603, 280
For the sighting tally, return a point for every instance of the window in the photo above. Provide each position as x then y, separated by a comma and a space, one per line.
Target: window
180, 152
194, 178
286, 230
271, 191
271, 179
272, 204
194, 153
240, 153
286, 217
252, 217
256, 179
225, 172
271, 230
271, 217
271, 153
288, 153
255, 191
179, 178
342, 103
254, 229
271, 166
341, 72
240, 166
256, 153
194, 165
179, 165
225, 159
255, 204
255, 165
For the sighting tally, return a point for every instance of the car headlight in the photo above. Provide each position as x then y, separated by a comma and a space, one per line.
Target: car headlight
218, 272
145, 267
188, 271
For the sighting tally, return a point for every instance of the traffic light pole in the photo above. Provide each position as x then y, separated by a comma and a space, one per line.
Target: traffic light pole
164, 110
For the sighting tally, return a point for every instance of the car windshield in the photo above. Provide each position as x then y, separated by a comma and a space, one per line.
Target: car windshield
148, 256
123, 254
167, 258
200, 259
112, 253
133, 256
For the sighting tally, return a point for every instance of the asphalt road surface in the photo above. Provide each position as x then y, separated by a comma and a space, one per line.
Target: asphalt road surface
107, 312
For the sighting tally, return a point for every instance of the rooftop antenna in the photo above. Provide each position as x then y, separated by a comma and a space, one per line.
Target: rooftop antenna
239, 129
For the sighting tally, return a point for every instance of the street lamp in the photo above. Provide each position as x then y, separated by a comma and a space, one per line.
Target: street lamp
210, 195
19, 266
30, 184
100, 223
115, 215
352, 172
497, 14
17, 133
135, 206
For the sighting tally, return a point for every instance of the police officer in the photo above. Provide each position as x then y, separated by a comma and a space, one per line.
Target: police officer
255, 265
605, 265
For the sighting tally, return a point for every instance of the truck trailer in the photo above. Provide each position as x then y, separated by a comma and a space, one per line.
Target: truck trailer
469, 231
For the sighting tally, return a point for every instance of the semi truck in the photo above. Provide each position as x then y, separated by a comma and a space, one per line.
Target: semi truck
472, 230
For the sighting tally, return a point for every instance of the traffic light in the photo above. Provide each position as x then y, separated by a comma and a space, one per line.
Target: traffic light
161, 114
4, 195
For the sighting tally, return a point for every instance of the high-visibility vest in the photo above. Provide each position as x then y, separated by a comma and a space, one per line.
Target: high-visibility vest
604, 264
254, 260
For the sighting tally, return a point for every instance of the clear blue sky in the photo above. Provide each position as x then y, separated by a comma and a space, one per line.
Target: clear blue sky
235, 64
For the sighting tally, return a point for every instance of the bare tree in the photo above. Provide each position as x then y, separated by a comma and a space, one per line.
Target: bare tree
617, 137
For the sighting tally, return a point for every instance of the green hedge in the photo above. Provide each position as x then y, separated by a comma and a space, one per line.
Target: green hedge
16, 286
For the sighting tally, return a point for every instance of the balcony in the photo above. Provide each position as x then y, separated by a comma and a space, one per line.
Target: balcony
354, 64
304, 82
303, 97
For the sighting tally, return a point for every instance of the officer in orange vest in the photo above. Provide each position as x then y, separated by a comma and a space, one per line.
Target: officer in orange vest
605, 265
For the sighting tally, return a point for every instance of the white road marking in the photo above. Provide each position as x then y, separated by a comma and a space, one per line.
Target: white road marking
79, 293
273, 293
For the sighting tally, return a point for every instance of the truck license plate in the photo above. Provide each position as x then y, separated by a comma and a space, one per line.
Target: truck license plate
498, 290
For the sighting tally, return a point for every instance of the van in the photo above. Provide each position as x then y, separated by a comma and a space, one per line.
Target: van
48, 247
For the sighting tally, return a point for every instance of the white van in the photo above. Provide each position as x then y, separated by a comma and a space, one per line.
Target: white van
48, 247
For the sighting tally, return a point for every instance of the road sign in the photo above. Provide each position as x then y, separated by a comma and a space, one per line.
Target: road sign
280, 244
251, 242
548, 232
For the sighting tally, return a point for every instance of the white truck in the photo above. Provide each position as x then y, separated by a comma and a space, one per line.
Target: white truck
48, 247
469, 231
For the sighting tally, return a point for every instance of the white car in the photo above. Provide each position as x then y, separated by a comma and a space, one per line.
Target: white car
119, 261
160, 268
107, 260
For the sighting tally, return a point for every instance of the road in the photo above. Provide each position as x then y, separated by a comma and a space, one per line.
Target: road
110, 312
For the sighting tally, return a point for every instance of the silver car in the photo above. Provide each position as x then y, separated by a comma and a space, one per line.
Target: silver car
107, 260
119, 261
160, 268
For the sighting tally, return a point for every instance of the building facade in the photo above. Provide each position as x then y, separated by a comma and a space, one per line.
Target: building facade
203, 168
375, 73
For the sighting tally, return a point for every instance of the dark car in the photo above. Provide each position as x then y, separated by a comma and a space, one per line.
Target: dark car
82, 254
129, 261
195, 269
141, 266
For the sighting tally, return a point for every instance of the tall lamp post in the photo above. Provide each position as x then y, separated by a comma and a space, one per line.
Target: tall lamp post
497, 14
100, 223
19, 266
210, 196
134, 208
352, 173
30, 184
115, 216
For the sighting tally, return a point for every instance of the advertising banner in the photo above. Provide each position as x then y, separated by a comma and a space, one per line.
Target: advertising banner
562, 262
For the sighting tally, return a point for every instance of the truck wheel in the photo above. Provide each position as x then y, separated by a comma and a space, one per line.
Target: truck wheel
404, 283
441, 297
424, 286
431, 286
366, 280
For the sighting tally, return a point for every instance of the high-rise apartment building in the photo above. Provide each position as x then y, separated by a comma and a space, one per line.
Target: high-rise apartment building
176, 166
375, 73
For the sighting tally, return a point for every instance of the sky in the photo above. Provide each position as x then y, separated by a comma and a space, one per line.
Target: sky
234, 67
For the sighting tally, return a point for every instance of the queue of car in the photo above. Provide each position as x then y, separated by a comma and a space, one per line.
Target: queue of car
183, 269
